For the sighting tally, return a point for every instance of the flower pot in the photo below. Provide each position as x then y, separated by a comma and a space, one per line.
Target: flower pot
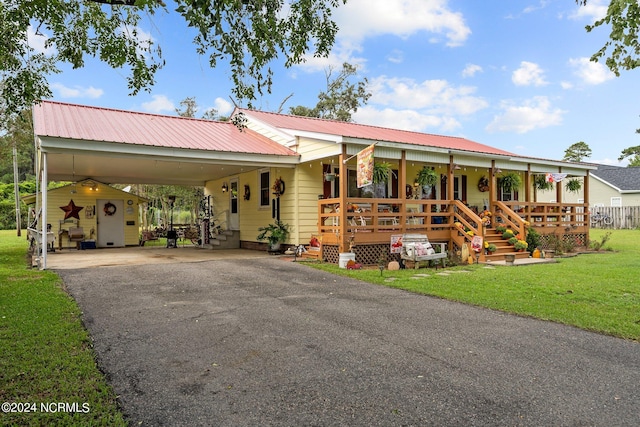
274, 247
509, 259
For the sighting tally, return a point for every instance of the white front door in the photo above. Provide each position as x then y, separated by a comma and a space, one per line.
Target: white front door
110, 220
234, 214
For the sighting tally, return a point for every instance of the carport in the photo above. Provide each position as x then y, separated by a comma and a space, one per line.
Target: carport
75, 142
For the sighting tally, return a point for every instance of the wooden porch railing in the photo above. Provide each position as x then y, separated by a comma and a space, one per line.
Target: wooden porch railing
373, 221
551, 215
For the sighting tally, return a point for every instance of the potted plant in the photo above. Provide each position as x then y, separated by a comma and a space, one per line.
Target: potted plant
521, 245
540, 183
513, 240
510, 181
274, 234
573, 185
381, 172
490, 247
427, 177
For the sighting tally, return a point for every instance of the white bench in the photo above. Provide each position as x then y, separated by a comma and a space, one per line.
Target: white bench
416, 248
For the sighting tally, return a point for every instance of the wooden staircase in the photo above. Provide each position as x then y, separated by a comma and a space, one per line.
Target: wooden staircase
503, 247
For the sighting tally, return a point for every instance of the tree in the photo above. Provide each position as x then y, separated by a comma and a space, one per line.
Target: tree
249, 35
577, 152
341, 99
634, 153
622, 51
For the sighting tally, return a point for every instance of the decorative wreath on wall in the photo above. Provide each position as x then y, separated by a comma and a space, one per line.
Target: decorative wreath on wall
247, 192
278, 187
109, 209
483, 184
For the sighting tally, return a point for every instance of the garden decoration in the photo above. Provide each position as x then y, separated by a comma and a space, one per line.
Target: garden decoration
483, 184
71, 210
278, 187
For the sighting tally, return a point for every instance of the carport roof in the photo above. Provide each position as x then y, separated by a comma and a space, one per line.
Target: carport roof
132, 147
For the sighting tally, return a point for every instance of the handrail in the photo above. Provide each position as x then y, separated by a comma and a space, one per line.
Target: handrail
471, 221
510, 218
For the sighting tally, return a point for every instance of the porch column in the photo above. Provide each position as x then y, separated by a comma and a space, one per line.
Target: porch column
585, 190
43, 187
402, 176
527, 184
450, 180
493, 186
559, 188
342, 221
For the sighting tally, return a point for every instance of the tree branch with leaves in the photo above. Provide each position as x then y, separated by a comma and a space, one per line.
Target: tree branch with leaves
248, 35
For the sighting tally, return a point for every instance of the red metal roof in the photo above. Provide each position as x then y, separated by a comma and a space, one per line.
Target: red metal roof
375, 133
80, 122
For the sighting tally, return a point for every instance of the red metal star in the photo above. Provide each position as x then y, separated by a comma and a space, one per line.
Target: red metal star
71, 210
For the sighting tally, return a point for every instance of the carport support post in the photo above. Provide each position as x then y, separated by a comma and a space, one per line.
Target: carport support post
42, 246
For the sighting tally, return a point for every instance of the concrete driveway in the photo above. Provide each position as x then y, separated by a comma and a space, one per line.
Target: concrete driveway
267, 342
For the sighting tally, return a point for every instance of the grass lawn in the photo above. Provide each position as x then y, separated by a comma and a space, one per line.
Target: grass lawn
45, 353
596, 291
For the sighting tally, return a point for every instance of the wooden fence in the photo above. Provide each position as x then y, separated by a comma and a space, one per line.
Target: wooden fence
627, 217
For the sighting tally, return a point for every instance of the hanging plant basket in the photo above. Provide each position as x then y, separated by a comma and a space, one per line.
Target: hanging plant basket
510, 181
427, 177
381, 172
540, 183
573, 185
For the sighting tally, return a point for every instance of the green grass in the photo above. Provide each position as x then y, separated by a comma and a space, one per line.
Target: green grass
45, 352
596, 291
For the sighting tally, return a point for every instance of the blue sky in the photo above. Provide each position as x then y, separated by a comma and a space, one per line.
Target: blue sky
511, 74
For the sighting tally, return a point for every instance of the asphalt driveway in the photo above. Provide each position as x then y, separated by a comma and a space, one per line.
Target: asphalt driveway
264, 342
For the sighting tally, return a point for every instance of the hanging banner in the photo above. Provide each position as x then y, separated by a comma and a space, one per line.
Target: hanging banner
555, 177
364, 166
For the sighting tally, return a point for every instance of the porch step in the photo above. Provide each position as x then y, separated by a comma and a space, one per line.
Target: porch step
499, 256
227, 239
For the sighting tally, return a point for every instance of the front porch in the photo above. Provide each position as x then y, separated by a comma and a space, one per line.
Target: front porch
367, 224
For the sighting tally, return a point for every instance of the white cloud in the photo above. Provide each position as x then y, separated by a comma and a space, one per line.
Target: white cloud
405, 119
77, 91
531, 9
536, 113
159, 104
38, 41
223, 106
566, 85
359, 19
590, 72
434, 96
362, 19
471, 69
528, 74
396, 56
594, 10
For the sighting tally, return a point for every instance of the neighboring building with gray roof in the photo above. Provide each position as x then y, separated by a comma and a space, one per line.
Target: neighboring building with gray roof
615, 186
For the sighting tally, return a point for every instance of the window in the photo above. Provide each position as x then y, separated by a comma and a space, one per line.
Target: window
616, 201
265, 188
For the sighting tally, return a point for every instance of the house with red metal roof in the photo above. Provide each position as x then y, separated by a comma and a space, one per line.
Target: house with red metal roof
304, 171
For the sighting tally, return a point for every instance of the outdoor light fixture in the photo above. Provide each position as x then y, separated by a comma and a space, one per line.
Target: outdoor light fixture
93, 186
497, 171
455, 167
225, 187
